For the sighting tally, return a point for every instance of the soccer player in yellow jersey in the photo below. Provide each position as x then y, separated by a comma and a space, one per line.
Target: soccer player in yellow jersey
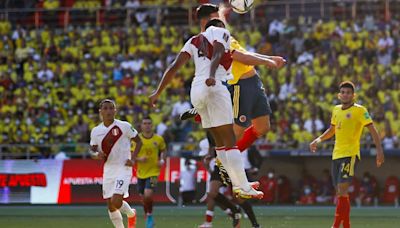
251, 107
347, 123
149, 160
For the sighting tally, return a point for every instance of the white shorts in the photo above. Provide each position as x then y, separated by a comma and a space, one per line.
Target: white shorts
214, 104
118, 185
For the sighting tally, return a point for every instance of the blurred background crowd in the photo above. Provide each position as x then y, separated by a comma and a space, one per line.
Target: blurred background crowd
51, 80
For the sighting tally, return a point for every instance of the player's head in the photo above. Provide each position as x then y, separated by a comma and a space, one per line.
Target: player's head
146, 125
107, 109
215, 22
346, 92
205, 12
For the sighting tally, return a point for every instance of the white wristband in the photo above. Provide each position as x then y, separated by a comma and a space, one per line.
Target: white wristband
94, 154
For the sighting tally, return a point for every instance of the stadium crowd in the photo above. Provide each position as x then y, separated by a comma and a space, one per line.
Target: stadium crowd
51, 80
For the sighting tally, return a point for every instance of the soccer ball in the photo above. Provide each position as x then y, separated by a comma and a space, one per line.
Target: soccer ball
241, 6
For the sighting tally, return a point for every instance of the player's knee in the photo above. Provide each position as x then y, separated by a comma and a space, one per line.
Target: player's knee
212, 194
262, 129
116, 202
147, 198
342, 190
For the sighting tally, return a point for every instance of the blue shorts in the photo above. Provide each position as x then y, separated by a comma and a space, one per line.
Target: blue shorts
343, 170
147, 183
249, 100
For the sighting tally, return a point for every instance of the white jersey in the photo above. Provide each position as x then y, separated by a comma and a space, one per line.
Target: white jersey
200, 48
115, 142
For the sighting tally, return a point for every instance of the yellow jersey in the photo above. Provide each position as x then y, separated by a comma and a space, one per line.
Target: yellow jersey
238, 68
349, 124
151, 148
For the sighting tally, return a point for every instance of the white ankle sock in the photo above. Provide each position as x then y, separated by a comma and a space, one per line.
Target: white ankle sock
222, 155
116, 219
235, 162
126, 209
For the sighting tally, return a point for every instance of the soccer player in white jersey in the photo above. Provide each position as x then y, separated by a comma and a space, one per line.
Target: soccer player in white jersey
210, 51
111, 141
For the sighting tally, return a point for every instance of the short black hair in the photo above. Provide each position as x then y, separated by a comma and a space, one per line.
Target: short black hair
147, 118
107, 101
215, 22
347, 84
205, 10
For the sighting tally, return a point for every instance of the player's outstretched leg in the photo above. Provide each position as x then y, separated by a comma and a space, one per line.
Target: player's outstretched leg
231, 159
148, 205
116, 218
248, 209
113, 204
224, 203
188, 114
130, 213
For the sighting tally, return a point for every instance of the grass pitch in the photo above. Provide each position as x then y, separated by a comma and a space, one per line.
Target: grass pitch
191, 217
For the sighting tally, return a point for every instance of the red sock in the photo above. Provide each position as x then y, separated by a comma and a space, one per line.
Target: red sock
209, 216
346, 211
145, 208
342, 212
197, 118
148, 207
249, 136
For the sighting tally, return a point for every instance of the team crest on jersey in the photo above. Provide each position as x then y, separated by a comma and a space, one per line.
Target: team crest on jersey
115, 131
348, 115
242, 118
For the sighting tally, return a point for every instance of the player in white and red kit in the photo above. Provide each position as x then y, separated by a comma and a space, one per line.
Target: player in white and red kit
210, 51
111, 142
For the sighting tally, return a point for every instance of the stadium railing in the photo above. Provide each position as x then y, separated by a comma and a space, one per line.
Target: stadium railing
184, 14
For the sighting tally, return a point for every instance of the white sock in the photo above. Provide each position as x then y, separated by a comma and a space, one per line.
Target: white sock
126, 209
235, 162
222, 156
116, 219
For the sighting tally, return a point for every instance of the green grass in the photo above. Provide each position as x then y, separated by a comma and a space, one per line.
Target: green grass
190, 217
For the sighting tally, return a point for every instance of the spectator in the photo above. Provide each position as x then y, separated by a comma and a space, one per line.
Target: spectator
188, 183
368, 190
325, 189
307, 196
45, 74
180, 106
313, 124
269, 185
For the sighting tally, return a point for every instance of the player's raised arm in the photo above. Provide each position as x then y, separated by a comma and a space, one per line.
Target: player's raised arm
254, 59
169, 74
329, 133
380, 157
279, 60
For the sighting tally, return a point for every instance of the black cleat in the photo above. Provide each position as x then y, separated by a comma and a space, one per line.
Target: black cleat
236, 217
188, 114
